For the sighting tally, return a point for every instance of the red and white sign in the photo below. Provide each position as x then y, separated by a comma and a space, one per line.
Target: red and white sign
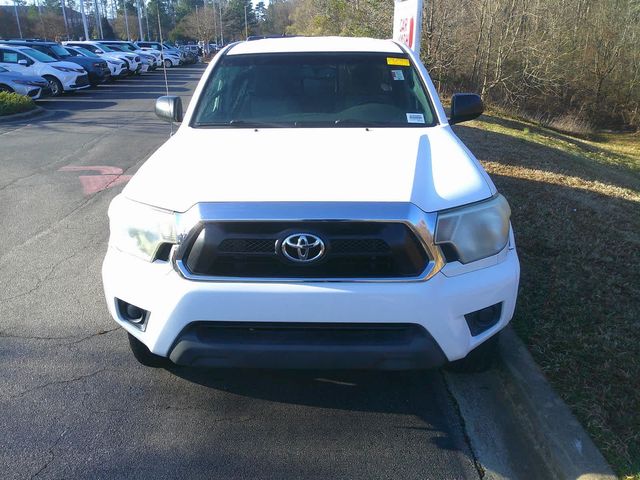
407, 23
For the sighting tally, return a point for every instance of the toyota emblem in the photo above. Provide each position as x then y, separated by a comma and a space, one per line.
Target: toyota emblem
303, 247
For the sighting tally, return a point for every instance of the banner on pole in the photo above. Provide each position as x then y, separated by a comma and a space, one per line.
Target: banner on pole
407, 23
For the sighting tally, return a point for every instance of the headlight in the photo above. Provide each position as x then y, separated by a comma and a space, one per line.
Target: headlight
475, 231
139, 229
65, 69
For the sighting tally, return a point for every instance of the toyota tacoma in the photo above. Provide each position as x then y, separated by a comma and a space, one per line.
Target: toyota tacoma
314, 209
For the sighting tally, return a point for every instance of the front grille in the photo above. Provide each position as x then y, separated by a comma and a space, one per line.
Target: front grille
82, 80
248, 246
352, 250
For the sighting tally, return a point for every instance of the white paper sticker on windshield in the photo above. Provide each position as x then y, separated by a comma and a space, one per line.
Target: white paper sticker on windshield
415, 118
397, 75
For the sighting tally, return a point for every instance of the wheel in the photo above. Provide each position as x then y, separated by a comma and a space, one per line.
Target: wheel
480, 359
5, 88
144, 355
54, 85
168, 63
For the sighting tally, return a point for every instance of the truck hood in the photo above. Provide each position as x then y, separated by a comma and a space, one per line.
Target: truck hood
429, 167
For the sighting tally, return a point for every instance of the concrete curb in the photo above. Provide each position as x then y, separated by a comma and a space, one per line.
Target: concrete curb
565, 446
19, 116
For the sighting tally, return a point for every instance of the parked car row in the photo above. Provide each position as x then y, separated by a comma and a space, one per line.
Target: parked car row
36, 68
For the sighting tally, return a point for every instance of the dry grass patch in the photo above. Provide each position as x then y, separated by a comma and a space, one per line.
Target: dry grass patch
576, 213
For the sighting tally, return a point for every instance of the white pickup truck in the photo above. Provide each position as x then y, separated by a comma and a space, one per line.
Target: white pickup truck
313, 210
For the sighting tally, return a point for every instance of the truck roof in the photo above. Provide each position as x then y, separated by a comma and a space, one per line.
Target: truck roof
315, 44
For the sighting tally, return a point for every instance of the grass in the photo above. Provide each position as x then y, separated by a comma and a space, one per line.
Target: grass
576, 214
11, 103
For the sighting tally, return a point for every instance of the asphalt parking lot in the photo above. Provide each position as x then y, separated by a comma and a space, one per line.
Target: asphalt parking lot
74, 402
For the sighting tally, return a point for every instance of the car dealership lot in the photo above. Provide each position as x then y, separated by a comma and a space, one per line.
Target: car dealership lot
77, 405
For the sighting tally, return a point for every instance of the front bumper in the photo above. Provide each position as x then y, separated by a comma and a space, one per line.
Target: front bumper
306, 345
79, 82
437, 305
99, 76
31, 91
119, 73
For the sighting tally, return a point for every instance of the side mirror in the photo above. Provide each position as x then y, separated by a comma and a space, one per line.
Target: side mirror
23, 62
464, 107
169, 108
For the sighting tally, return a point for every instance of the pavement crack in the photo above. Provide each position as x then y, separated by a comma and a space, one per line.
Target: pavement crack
93, 335
51, 455
41, 281
75, 338
47, 166
58, 382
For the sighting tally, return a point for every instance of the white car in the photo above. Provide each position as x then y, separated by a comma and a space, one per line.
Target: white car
133, 62
154, 58
324, 215
172, 57
117, 67
27, 85
61, 76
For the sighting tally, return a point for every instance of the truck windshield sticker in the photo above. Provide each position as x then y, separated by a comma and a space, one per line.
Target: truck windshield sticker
397, 75
403, 62
415, 118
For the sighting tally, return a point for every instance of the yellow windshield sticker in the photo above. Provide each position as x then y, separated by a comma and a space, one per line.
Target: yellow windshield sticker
403, 62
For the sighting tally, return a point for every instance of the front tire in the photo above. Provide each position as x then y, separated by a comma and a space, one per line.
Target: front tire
6, 88
480, 359
144, 355
54, 85
168, 63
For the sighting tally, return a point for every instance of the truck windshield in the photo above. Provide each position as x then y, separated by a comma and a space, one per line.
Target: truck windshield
314, 90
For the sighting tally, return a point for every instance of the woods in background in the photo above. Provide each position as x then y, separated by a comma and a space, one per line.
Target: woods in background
569, 63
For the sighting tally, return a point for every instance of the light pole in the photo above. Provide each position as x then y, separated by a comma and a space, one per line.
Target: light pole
15, 6
44, 30
126, 19
221, 35
139, 10
146, 18
98, 20
64, 16
84, 20
246, 25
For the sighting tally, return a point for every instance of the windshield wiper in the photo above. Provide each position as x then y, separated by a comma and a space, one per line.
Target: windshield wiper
241, 124
359, 123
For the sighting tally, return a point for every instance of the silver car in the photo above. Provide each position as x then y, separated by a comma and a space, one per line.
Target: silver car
28, 85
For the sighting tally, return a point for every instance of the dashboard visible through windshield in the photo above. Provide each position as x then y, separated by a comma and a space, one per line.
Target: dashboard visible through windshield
314, 90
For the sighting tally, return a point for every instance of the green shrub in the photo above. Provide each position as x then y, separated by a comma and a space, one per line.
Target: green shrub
11, 103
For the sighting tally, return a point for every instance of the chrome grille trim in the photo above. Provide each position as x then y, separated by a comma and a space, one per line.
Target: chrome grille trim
421, 223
